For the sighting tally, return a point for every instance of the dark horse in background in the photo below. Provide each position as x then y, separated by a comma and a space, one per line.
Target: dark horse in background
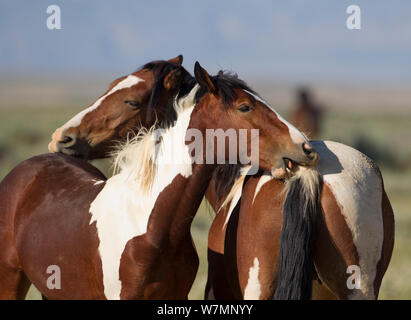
307, 115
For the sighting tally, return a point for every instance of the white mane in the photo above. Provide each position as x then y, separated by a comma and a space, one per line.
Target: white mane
122, 209
142, 157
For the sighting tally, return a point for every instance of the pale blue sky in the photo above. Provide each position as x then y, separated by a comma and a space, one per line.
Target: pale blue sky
291, 40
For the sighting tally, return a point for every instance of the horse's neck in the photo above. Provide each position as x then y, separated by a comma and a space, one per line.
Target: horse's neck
230, 196
183, 203
159, 183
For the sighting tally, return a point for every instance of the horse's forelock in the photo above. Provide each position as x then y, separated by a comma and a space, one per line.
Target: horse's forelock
226, 83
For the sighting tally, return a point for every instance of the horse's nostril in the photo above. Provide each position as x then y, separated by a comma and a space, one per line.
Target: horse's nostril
66, 139
308, 150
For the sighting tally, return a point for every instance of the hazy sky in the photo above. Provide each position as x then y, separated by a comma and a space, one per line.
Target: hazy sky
280, 40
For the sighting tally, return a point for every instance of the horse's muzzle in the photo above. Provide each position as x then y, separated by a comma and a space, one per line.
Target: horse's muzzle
68, 144
290, 162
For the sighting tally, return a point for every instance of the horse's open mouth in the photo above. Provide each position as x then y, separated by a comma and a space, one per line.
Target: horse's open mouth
289, 165
286, 168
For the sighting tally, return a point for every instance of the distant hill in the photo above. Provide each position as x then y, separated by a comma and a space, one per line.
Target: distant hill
31, 92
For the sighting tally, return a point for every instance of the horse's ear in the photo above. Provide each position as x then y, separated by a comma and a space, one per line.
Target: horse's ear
204, 79
177, 60
170, 81
173, 79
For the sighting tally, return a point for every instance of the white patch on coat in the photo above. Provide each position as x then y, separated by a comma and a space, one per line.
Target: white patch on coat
129, 81
123, 207
235, 194
59, 133
358, 190
262, 181
296, 136
233, 203
252, 290
97, 182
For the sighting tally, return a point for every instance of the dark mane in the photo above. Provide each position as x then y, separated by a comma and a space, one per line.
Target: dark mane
224, 177
295, 265
226, 82
160, 70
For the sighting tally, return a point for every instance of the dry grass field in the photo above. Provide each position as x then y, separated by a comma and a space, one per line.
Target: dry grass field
385, 135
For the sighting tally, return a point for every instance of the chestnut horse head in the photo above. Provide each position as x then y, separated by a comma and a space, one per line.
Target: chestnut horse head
130, 102
281, 146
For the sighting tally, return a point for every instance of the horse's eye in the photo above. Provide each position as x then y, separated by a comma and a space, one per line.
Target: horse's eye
244, 108
133, 104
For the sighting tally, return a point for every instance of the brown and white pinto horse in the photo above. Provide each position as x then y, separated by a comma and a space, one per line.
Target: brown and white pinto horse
351, 230
352, 225
129, 102
129, 237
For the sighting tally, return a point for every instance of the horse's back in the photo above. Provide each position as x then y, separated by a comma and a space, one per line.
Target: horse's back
28, 169
45, 218
41, 172
356, 193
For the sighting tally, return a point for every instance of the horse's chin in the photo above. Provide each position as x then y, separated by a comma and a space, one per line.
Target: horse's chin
81, 149
72, 153
279, 173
